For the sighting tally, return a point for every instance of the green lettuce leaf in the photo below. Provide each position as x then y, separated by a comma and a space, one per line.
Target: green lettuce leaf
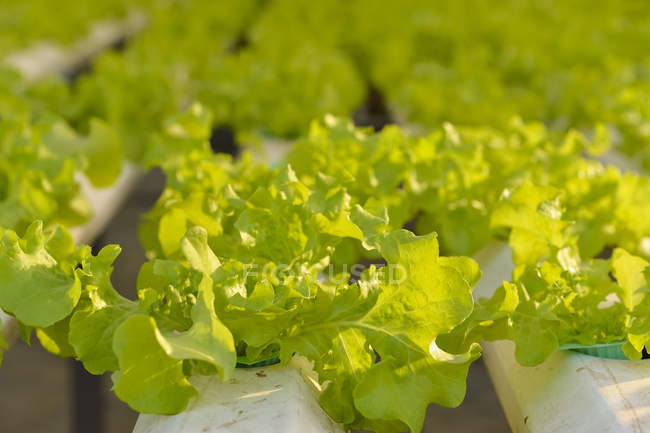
35, 288
149, 379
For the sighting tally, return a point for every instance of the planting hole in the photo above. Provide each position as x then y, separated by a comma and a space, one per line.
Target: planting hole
373, 112
222, 140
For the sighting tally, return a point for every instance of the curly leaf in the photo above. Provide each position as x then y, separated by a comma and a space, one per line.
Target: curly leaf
32, 286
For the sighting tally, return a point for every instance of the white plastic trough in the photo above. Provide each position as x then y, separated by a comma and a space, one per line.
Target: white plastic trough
621, 161
44, 58
104, 202
262, 400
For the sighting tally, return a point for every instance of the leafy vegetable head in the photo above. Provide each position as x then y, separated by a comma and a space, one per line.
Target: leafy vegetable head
250, 277
42, 158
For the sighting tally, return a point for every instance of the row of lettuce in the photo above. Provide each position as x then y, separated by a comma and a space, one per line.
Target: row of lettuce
41, 160
266, 68
248, 263
29, 23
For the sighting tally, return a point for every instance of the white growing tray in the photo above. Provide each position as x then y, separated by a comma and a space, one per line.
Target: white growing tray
262, 400
44, 58
105, 202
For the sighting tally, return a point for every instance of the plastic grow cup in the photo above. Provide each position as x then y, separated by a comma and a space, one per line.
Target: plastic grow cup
244, 362
605, 351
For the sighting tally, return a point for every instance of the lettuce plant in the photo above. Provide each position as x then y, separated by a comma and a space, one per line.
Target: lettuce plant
32, 23
564, 295
560, 212
243, 273
250, 263
42, 158
433, 62
41, 155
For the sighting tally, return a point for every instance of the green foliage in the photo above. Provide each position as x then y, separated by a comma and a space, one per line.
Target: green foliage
432, 61
41, 161
41, 156
452, 179
37, 287
563, 293
247, 262
558, 210
40, 20
249, 277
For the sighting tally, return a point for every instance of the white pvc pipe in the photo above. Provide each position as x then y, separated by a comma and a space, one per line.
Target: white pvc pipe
262, 400
621, 161
45, 57
104, 202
